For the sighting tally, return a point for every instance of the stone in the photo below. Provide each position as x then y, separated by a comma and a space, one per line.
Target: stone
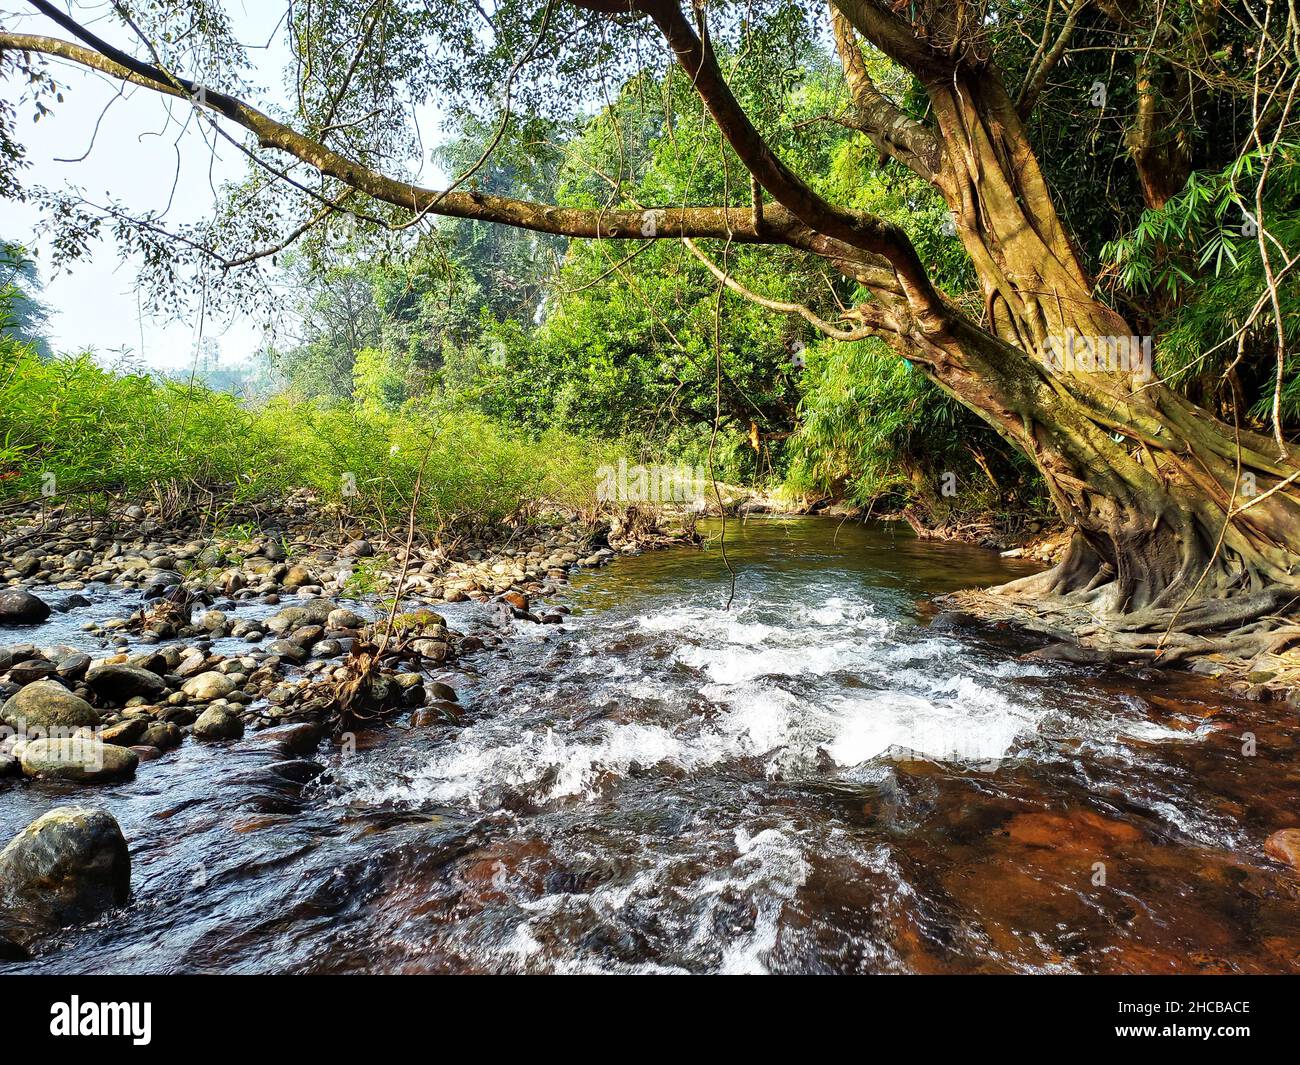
192, 666
288, 649
19, 607
291, 617
32, 670
73, 666
116, 683
951, 620
1066, 652
69, 865
218, 723
125, 733
516, 599
314, 611
208, 686
434, 650
1284, 846
342, 618
291, 741
45, 705
161, 735
298, 577
26, 564
77, 759
307, 635
438, 690
1074, 831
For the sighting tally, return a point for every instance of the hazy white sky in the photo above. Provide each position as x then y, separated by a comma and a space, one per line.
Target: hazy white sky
146, 160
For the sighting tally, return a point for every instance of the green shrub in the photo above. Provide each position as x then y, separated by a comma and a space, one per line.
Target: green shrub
98, 432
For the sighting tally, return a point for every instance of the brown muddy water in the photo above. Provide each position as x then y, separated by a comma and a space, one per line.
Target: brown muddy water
810, 781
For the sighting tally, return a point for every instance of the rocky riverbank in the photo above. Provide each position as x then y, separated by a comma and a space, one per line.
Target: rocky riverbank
283, 617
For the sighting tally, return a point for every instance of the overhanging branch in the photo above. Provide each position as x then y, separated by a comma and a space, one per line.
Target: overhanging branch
893, 133
658, 223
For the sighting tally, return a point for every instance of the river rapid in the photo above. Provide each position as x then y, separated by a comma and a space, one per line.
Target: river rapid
809, 781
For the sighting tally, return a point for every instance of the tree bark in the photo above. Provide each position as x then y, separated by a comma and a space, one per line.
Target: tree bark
1171, 508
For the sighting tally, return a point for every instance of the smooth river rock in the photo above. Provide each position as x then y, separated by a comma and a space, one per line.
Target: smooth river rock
208, 686
69, 865
117, 682
19, 607
218, 723
81, 761
47, 704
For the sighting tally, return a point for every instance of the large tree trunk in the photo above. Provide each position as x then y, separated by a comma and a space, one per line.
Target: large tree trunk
1176, 522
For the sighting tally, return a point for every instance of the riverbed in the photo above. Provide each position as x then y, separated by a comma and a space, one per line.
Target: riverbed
805, 779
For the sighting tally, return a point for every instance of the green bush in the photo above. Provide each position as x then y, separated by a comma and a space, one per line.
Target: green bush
98, 432
70, 426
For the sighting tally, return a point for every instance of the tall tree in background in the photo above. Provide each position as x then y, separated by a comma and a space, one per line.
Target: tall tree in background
21, 284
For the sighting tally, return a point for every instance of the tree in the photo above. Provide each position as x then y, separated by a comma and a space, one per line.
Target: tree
1182, 521
21, 286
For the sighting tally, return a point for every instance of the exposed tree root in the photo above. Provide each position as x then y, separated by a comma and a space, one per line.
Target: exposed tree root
1243, 633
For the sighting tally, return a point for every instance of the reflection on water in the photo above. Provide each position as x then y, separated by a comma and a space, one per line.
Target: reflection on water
811, 781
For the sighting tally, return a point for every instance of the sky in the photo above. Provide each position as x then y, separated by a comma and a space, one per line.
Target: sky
144, 158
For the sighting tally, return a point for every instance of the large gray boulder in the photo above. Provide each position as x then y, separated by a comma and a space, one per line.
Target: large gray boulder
69, 865
19, 607
45, 705
79, 760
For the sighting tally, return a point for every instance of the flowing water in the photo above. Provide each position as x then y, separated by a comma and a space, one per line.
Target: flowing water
809, 781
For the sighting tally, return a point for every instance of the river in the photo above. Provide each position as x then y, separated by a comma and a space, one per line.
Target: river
809, 781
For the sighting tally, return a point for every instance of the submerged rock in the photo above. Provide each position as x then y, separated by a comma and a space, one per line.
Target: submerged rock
952, 620
1067, 652
291, 741
1284, 846
19, 607
67, 866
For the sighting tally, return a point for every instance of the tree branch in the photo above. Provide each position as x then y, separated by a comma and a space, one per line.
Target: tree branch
811, 317
897, 38
893, 133
1043, 65
696, 57
733, 223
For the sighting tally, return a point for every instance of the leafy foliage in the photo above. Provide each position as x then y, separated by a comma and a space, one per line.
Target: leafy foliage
1201, 258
